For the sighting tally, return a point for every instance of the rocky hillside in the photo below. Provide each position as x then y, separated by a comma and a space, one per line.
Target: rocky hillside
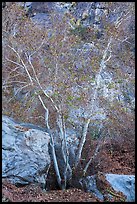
68, 70
28, 173
83, 56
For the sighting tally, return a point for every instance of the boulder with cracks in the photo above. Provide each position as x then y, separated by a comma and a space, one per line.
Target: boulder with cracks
25, 156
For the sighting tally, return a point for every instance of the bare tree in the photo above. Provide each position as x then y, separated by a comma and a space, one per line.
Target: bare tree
32, 60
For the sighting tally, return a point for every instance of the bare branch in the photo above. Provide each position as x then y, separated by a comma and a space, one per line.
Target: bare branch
14, 62
41, 86
19, 89
38, 48
91, 159
20, 59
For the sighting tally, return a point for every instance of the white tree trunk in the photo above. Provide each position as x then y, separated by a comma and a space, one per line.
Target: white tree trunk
64, 148
82, 142
59, 180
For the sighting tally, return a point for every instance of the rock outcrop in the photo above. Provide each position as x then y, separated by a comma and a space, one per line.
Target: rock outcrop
25, 156
123, 183
110, 187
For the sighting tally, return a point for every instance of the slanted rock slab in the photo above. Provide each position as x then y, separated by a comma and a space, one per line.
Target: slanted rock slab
124, 184
110, 187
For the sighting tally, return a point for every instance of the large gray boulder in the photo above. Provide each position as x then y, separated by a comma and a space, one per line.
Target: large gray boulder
25, 156
120, 183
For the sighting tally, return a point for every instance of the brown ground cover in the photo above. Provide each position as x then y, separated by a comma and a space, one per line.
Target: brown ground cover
114, 156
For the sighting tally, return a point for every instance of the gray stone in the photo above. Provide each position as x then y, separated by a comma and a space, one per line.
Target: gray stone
42, 20
25, 156
89, 185
124, 184
40, 7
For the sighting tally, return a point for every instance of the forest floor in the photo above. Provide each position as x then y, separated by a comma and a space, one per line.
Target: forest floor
114, 156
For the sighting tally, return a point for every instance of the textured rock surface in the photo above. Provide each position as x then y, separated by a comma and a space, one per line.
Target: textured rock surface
25, 157
124, 184
89, 185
